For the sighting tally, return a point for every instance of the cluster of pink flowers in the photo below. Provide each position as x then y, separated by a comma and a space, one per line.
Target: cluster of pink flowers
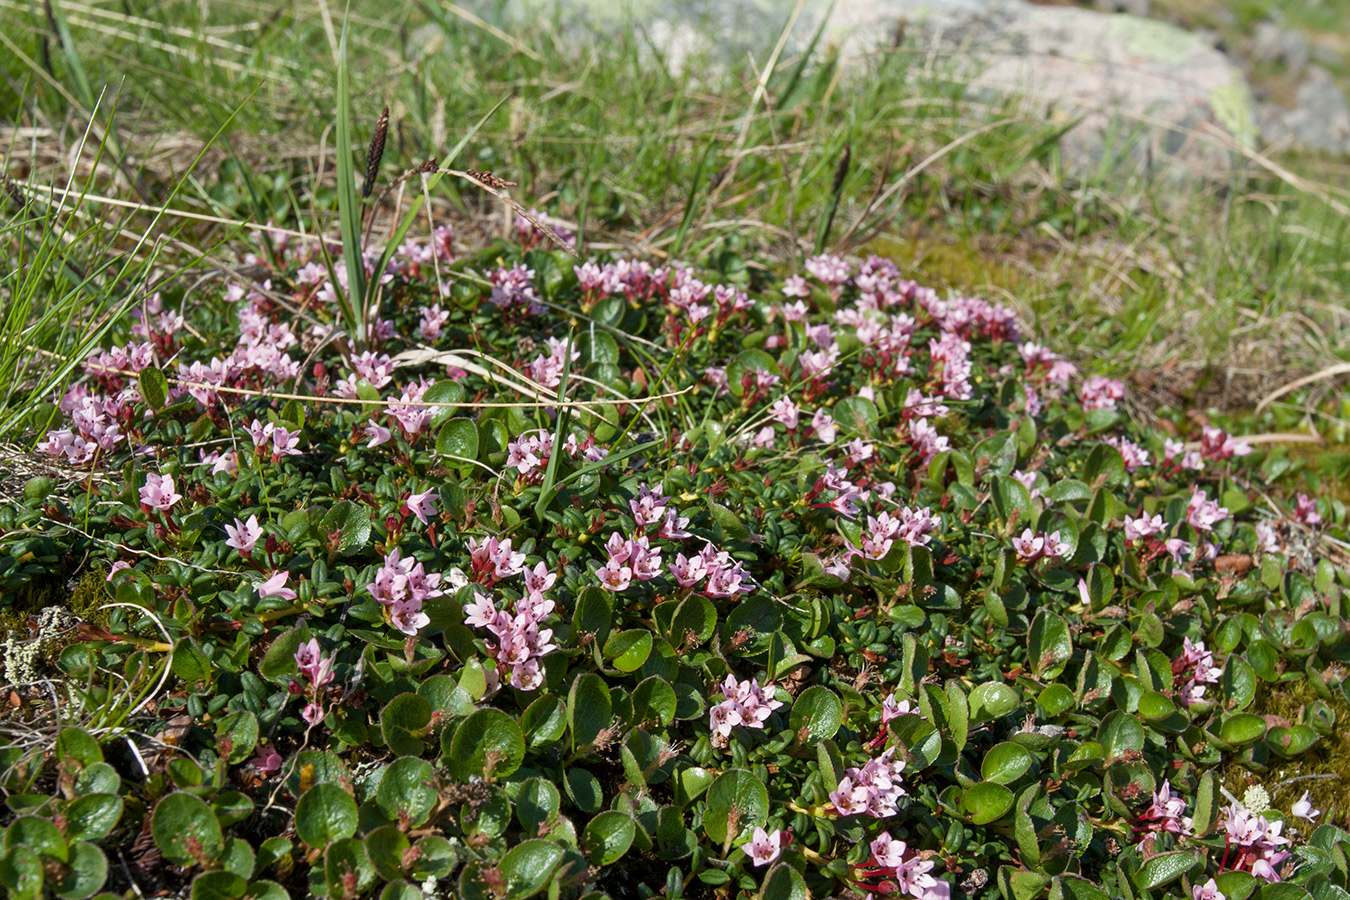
521, 642
873, 789
109, 367
158, 493
1217, 444
1100, 392
747, 704
1134, 456
1166, 813
1252, 843
926, 441
1177, 456
377, 369
529, 453
547, 369
629, 558
99, 423
1144, 526
1193, 670
1032, 547
513, 290
1203, 513
893, 869
493, 560
318, 671
400, 586
912, 526
726, 577
274, 441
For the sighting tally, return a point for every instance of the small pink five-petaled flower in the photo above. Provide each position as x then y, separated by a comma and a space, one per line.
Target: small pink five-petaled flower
764, 847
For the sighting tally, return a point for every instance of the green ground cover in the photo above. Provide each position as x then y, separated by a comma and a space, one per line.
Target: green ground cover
721, 540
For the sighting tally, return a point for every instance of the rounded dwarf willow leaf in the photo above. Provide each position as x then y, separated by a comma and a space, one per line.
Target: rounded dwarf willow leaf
404, 722
238, 857
219, 885
400, 890
1236, 885
1056, 699
239, 732
278, 662
607, 837
654, 701
1120, 733
992, 700
98, 778
74, 746
986, 802
1242, 728
784, 883
386, 846
1167, 867
1154, 706
488, 744
816, 714
589, 709
407, 792
21, 873
737, 802
186, 830
458, 439
154, 387
1049, 646
347, 869
325, 813
544, 721
536, 803
38, 835
267, 890
694, 621
1005, 763
231, 807
594, 615
1291, 741
528, 866
584, 789
628, 650
690, 784
92, 817
434, 857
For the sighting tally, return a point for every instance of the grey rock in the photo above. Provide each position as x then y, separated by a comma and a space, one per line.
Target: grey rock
1319, 122
1271, 43
1140, 8
1144, 94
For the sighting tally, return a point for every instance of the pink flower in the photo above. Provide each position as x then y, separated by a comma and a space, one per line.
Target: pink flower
763, 848
785, 412
312, 713
158, 492
421, 505
267, 762
378, 434
1203, 513
1305, 511
1304, 809
1207, 891
244, 535
1167, 813
276, 587
1143, 527
313, 664
615, 576
407, 616
1029, 546
119, 566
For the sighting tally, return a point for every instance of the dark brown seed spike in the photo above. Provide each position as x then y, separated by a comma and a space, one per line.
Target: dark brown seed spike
375, 153
842, 169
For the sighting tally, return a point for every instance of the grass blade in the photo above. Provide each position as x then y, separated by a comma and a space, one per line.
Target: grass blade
352, 300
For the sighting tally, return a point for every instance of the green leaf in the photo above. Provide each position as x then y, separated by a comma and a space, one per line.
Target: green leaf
278, 662
528, 866
1155, 706
589, 709
992, 700
240, 730
537, 802
1056, 699
445, 392
1120, 733
488, 744
1049, 646
404, 721
735, 791
74, 745
1291, 741
385, 847
1012, 501
986, 802
628, 650
351, 302
92, 817
38, 835
186, 830
407, 791
607, 837
347, 869
544, 721
1167, 867
21, 873
1005, 763
654, 701
1242, 728
458, 438
154, 387
817, 714
593, 614
353, 521
219, 885
784, 883
325, 813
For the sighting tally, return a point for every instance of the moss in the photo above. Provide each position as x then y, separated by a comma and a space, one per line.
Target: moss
1286, 779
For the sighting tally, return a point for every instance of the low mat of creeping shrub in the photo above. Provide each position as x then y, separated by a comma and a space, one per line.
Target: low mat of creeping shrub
615, 579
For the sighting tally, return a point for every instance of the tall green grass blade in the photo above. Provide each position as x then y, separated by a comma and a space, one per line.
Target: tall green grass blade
353, 299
